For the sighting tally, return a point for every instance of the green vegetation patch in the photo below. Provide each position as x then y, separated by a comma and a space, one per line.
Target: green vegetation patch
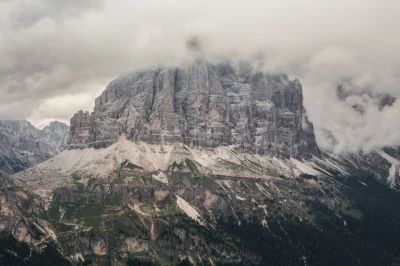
76, 176
13, 252
205, 182
176, 165
191, 165
236, 167
304, 177
79, 187
128, 164
187, 163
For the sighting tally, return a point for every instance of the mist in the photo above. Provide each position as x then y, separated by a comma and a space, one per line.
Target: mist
57, 56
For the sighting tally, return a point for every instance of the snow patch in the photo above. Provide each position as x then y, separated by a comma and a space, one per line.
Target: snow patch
362, 183
394, 170
162, 177
392, 175
332, 165
304, 168
240, 198
188, 209
387, 157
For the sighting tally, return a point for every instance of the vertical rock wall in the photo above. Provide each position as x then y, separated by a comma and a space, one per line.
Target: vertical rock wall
201, 104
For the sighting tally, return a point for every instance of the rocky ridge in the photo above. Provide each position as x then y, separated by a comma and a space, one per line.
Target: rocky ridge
204, 105
22, 145
164, 203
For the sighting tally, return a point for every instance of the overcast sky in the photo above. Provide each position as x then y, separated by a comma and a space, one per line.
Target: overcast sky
56, 56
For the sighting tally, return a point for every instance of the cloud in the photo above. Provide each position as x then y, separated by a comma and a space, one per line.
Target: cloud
57, 54
59, 107
24, 13
357, 122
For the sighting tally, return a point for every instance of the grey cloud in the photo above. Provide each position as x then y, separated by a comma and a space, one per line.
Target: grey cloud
24, 13
55, 51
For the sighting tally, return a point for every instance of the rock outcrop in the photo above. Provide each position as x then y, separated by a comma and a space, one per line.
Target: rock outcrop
10, 217
201, 104
22, 145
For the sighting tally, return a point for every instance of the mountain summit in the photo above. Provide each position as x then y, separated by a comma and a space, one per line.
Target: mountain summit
201, 104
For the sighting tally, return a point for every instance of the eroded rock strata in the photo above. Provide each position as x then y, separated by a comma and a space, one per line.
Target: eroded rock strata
201, 105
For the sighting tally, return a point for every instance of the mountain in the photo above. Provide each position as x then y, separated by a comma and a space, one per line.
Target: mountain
201, 105
137, 202
22, 145
207, 164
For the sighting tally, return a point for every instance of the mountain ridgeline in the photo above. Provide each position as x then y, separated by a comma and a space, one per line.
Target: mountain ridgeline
22, 145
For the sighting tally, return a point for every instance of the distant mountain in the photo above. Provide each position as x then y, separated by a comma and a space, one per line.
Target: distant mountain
22, 145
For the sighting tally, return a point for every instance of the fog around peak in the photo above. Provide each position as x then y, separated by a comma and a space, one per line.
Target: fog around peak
57, 56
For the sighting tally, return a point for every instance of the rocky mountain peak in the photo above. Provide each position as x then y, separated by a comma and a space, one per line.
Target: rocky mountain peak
201, 104
56, 127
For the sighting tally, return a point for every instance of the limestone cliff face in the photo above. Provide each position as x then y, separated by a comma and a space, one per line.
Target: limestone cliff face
22, 145
201, 104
